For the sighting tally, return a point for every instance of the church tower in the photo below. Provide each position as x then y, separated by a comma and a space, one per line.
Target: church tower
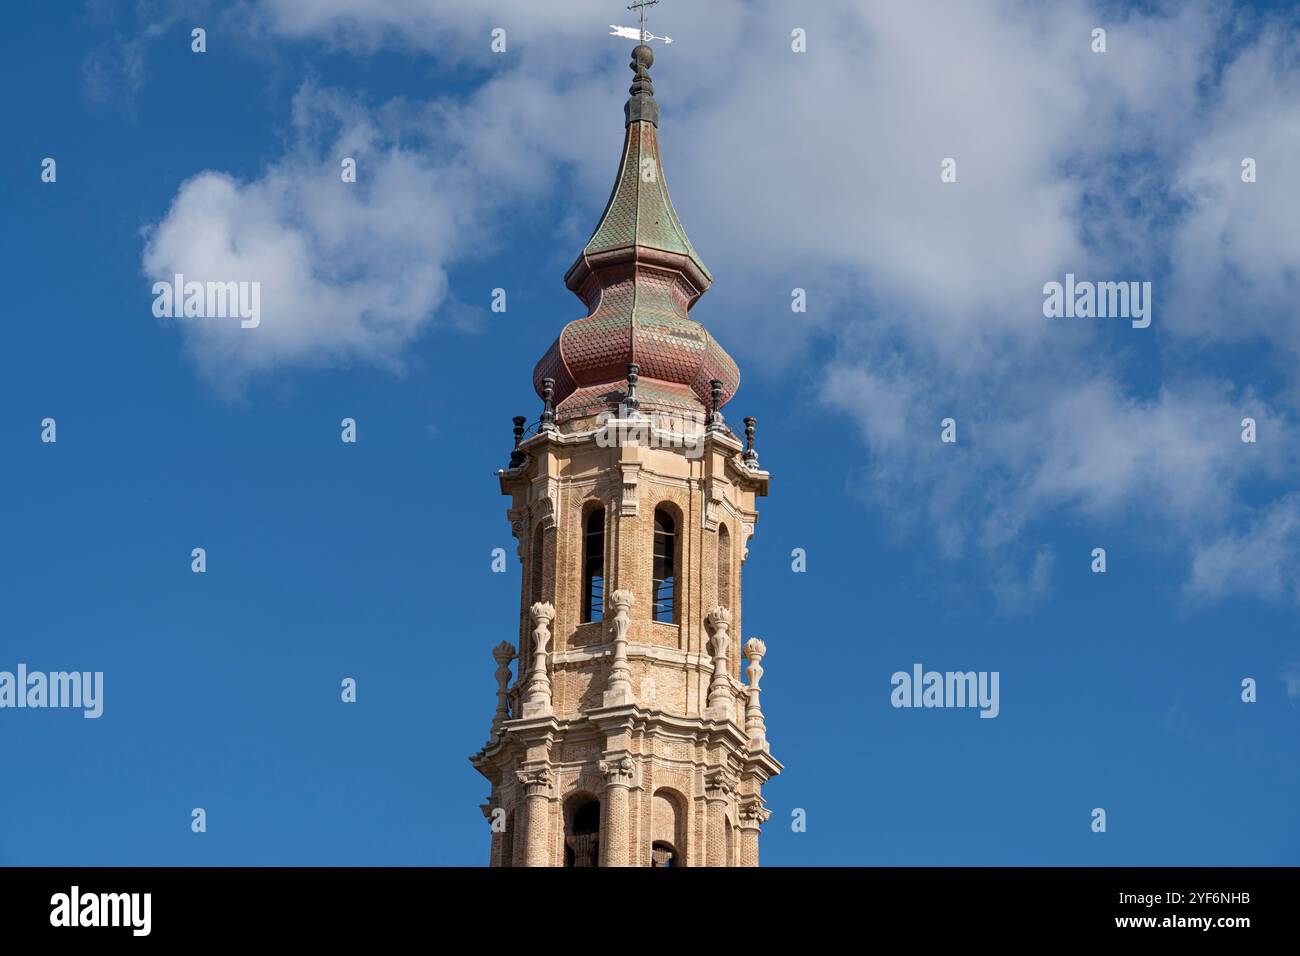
628, 737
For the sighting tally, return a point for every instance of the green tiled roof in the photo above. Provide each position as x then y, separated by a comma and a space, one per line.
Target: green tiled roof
640, 212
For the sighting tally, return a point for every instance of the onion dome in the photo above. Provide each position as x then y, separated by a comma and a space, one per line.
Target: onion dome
639, 276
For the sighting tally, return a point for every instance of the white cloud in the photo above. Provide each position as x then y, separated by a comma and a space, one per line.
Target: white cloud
117, 68
1037, 447
821, 170
1235, 254
453, 29
348, 271
1260, 560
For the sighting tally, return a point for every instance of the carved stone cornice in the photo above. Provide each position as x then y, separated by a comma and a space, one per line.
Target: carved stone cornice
635, 649
755, 480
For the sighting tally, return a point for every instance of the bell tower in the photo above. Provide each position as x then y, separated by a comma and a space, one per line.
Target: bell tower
628, 737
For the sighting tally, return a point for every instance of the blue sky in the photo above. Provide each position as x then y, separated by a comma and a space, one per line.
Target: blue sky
816, 170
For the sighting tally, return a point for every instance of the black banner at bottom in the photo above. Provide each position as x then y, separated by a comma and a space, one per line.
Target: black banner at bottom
345, 904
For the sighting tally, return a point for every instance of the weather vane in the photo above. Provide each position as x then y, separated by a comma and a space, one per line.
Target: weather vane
638, 33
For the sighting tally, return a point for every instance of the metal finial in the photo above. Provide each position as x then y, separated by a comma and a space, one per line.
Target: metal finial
548, 405
633, 372
751, 455
638, 32
641, 104
715, 411
517, 457
640, 6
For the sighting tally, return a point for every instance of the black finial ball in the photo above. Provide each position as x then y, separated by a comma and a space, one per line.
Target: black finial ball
642, 57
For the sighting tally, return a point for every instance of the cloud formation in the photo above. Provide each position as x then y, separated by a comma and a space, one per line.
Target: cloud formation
348, 271
821, 170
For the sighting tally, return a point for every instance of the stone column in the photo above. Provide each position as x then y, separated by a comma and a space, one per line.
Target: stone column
504, 654
538, 701
718, 786
615, 841
721, 703
620, 673
752, 816
536, 783
755, 727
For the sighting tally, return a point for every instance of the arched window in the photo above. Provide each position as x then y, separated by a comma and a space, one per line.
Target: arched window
593, 567
667, 832
724, 567
665, 571
582, 845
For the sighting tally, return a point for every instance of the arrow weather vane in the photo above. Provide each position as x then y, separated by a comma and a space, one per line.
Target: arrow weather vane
635, 33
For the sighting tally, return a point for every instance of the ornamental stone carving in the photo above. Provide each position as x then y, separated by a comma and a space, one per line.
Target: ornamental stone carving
620, 673
721, 702
618, 771
753, 813
536, 781
719, 784
504, 654
755, 727
516, 519
544, 516
627, 501
537, 703
713, 503
547, 492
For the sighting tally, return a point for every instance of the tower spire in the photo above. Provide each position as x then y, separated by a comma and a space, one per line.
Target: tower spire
639, 276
